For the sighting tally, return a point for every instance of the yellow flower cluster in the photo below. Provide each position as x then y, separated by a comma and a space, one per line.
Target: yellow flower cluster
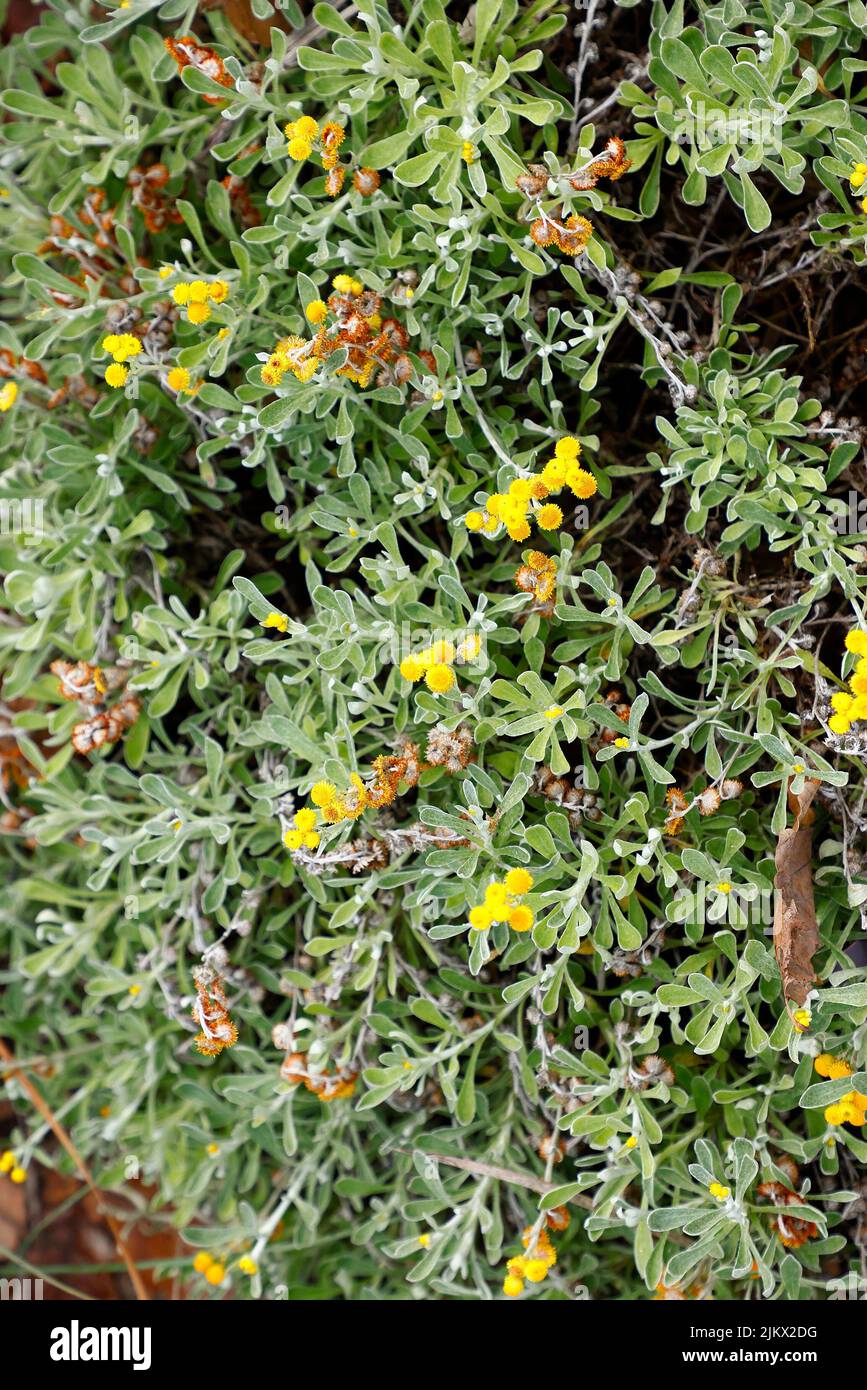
435, 663
517, 507
304, 835
388, 771
848, 709
122, 346
849, 1109
503, 903
9, 1164
293, 355
302, 134
347, 284
856, 181
213, 1271
722, 1194
197, 296
8, 395
333, 805
539, 1257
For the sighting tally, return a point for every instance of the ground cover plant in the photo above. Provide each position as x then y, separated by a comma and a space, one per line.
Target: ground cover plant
433, 648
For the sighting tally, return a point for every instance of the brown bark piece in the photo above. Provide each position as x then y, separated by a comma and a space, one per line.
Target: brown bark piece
796, 934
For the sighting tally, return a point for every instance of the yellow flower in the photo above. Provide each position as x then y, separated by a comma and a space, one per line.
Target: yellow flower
198, 313
443, 651
496, 902
536, 1271
424, 1240
717, 1190
631, 1142
246, 1265
165, 271
181, 294
468, 152
567, 448
411, 668
439, 678
724, 887
841, 703
343, 284
553, 475
512, 1286
549, 517
621, 743
305, 128
470, 647
306, 369
115, 374
305, 819
198, 291
18, 1175
278, 620
316, 311
518, 882
134, 990
521, 918
7, 1161
202, 1263
218, 290
213, 1150
215, 1274
856, 641
8, 395
581, 483
802, 1019
837, 1069
178, 379
480, 918
323, 793
553, 711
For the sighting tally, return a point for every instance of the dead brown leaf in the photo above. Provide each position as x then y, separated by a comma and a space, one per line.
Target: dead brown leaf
240, 15
796, 935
